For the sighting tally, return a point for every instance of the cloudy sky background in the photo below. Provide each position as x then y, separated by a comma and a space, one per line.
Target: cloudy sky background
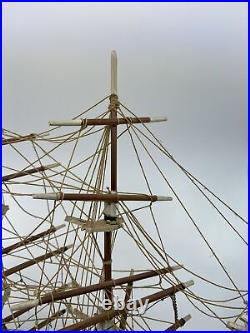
186, 61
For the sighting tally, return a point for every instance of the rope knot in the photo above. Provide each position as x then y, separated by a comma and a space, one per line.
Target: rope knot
114, 102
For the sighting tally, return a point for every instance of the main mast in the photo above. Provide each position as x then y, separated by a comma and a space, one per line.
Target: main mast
107, 225
113, 116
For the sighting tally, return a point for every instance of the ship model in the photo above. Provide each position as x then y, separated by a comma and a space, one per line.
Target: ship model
82, 247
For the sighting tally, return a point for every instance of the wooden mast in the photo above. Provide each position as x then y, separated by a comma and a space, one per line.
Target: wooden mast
113, 115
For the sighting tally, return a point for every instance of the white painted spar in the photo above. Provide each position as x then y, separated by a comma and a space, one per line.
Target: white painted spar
113, 72
57, 196
5, 208
187, 318
157, 119
48, 196
244, 318
76, 122
80, 122
176, 267
163, 198
188, 283
52, 166
235, 327
60, 226
24, 305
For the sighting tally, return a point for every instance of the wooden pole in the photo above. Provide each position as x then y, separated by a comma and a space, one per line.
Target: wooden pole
113, 197
179, 323
23, 310
48, 320
29, 172
107, 315
30, 239
106, 121
107, 260
15, 315
19, 139
59, 295
34, 261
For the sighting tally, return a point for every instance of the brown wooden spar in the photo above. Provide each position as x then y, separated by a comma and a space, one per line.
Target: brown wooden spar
34, 261
48, 320
114, 104
59, 295
15, 315
179, 323
106, 121
22, 311
30, 239
110, 197
107, 315
28, 172
19, 139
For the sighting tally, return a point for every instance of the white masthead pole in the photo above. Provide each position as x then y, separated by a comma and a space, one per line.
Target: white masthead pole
113, 73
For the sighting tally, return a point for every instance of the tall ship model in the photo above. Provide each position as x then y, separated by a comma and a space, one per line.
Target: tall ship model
86, 217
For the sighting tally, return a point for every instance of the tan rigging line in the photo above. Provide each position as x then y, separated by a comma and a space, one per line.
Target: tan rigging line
80, 114
46, 154
12, 317
214, 206
41, 218
65, 187
104, 151
152, 215
190, 218
139, 247
73, 209
166, 152
85, 179
36, 178
153, 218
99, 184
150, 255
29, 318
49, 280
216, 315
78, 178
70, 137
146, 180
187, 292
75, 165
32, 256
51, 217
18, 236
176, 262
24, 210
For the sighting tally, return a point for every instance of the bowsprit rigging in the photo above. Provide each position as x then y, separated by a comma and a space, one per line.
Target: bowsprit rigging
80, 274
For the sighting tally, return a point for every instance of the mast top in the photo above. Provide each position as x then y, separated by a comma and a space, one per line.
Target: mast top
113, 72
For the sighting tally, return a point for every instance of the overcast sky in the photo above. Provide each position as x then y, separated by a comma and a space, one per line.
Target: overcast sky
185, 61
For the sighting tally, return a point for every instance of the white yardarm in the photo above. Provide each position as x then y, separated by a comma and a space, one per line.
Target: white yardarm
131, 306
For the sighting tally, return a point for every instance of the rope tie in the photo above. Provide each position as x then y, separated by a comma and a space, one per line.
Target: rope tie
114, 103
84, 123
61, 196
174, 302
52, 296
39, 298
